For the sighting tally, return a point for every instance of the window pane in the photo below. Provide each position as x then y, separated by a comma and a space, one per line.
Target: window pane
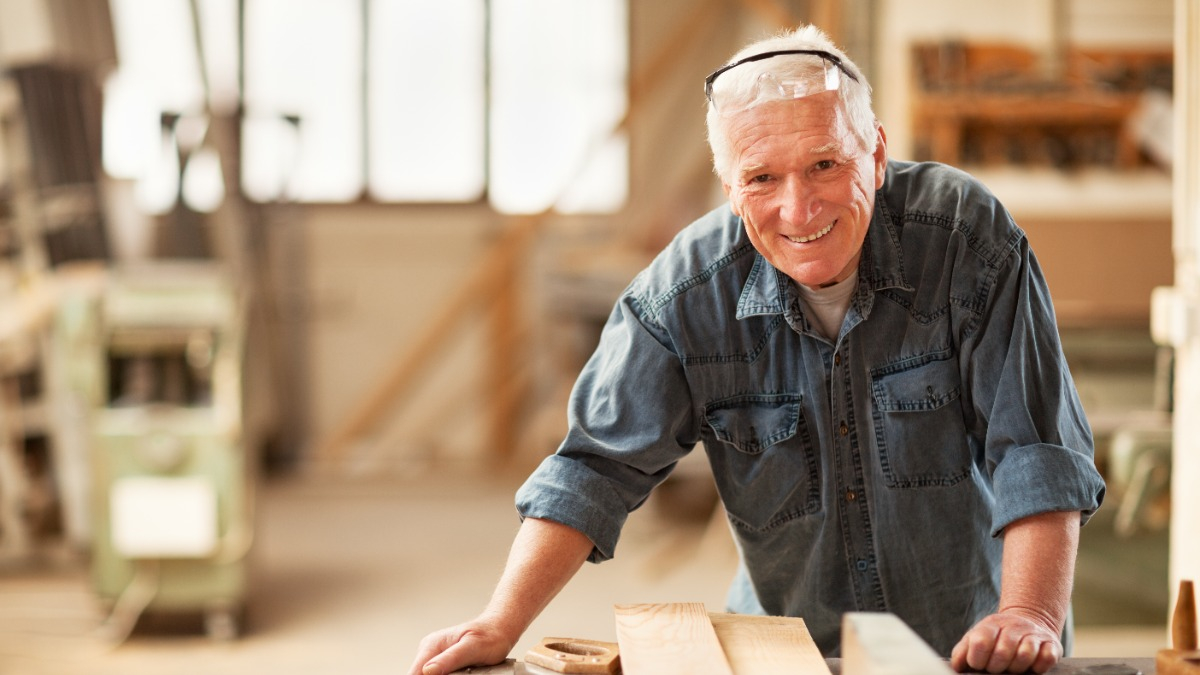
303, 58
156, 48
158, 73
559, 73
218, 30
426, 100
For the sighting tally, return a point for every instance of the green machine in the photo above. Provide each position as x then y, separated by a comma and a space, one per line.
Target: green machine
172, 490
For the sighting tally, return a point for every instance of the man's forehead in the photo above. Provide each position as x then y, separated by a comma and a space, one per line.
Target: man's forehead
764, 157
790, 118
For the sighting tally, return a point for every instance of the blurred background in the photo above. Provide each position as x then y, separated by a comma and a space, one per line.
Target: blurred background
292, 293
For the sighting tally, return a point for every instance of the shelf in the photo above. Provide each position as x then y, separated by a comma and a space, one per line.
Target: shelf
1092, 194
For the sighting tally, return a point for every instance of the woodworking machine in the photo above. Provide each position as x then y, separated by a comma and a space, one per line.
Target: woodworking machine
171, 481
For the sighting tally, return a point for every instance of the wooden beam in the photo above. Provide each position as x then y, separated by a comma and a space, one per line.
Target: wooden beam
827, 15
771, 12
768, 645
668, 638
504, 359
879, 643
482, 284
400, 378
666, 58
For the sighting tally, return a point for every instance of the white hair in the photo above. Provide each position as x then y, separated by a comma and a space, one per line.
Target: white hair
739, 83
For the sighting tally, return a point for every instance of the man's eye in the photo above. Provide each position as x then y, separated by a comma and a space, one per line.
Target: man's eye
825, 165
760, 178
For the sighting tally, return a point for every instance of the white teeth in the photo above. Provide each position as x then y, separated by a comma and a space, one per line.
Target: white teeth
813, 237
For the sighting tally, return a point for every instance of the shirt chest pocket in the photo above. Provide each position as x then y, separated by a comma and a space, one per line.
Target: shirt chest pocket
762, 458
919, 428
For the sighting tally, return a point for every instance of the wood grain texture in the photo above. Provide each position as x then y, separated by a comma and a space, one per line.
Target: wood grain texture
768, 645
575, 655
660, 639
879, 643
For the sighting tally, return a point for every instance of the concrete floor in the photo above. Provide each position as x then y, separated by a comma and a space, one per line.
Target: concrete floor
349, 573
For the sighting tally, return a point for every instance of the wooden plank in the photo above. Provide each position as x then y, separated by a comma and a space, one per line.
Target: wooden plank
879, 643
668, 638
768, 645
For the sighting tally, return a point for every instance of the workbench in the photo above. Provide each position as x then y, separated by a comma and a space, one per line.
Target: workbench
667, 638
1070, 666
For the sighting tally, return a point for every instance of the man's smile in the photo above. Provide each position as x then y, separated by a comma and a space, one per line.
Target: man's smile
813, 237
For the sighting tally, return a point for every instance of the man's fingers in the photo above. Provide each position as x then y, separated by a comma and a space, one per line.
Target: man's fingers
958, 656
1024, 656
1048, 655
1013, 652
430, 647
462, 654
456, 649
995, 654
975, 649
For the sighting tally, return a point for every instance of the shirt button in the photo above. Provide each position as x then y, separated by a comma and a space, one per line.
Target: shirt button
850, 495
843, 429
837, 359
861, 565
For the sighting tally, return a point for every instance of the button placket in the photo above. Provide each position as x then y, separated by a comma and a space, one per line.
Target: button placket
856, 518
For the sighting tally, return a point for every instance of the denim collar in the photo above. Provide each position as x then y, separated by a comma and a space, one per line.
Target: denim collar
769, 291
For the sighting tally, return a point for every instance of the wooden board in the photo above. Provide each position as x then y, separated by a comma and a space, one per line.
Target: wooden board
668, 638
879, 643
768, 645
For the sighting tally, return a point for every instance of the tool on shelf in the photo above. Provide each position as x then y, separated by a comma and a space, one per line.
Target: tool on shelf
1183, 658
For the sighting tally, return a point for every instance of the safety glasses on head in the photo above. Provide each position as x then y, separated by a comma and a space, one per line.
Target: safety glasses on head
769, 86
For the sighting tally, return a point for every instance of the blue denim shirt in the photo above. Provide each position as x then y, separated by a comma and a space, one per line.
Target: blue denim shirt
874, 472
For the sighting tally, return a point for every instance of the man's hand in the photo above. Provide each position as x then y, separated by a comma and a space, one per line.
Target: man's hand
544, 556
1011, 641
1035, 593
474, 643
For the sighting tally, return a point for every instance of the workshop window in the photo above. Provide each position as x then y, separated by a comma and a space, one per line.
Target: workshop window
512, 101
558, 73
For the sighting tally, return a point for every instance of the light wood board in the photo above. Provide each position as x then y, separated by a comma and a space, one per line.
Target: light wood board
658, 639
880, 643
768, 645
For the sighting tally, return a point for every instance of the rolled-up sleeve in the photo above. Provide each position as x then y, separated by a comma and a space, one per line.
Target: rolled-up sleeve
630, 421
1038, 446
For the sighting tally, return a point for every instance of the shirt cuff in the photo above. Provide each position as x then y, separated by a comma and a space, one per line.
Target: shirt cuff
1044, 478
571, 493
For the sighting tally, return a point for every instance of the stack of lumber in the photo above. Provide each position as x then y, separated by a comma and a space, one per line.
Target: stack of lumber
685, 638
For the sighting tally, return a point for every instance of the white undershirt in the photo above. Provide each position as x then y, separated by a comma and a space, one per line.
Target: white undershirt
830, 304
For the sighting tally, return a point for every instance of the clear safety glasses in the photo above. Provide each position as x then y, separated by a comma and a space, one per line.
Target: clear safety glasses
772, 87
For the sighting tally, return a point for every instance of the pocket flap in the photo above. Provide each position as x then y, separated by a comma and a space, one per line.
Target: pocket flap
752, 423
925, 387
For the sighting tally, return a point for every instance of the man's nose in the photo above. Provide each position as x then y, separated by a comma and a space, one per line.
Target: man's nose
798, 203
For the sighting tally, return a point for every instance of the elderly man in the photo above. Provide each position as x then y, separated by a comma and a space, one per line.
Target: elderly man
867, 351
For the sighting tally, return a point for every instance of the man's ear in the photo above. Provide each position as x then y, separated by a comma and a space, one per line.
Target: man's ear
880, 155
733, 204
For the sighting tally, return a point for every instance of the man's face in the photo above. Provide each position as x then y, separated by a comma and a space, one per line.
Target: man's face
804, 186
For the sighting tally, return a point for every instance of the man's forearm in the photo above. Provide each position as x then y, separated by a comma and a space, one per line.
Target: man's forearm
1039, 565
544, 557
1035, 592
